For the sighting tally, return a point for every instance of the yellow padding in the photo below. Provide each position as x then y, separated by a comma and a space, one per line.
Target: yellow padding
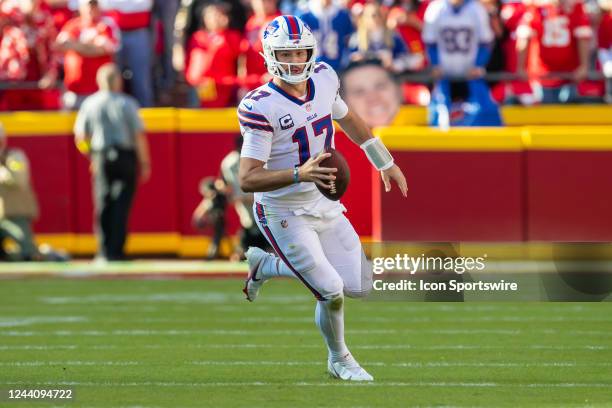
37, 123
465, 139
160, 119
557, 115
569, 138
207, 120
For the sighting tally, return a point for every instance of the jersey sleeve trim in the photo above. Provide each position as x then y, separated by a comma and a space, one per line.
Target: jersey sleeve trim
246, 115
255, 126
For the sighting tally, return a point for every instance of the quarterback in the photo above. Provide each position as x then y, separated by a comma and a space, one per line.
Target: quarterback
287, 125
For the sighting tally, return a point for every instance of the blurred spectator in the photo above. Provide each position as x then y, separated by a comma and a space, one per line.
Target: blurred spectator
61, 11
374, 40
133, 17
109, 129
189, 20
164, 12
212, 58
254, 72
372, 92
497, 61
250, 235
332, 27
211, 212
561, 35
18, 202
605, 46
26, 56
88, 42
458, 36
517, 90
406, 17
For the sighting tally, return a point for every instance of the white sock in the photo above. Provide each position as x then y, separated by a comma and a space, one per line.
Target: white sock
329, 316
274, 267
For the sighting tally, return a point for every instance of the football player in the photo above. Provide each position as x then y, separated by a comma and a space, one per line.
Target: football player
287, 124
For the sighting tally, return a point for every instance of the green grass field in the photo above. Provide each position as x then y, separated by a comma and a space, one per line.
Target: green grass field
197, 343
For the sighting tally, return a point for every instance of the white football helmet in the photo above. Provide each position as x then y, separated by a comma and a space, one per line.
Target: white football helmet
288, 33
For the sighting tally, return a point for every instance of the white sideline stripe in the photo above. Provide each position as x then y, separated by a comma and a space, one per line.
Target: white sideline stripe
365, 332
303, 346
69, 363
314, 384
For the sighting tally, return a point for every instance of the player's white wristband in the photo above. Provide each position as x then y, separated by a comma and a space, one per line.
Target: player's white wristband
377, 153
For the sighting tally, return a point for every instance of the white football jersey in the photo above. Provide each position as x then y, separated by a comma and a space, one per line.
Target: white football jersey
458, 32
284, 131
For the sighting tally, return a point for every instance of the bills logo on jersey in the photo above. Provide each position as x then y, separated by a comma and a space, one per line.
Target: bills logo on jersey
286, 122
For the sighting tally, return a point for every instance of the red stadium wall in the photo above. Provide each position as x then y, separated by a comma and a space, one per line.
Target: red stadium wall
498, 185
485, 185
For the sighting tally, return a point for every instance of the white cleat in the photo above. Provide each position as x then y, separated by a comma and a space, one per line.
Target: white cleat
348, 370
255, 257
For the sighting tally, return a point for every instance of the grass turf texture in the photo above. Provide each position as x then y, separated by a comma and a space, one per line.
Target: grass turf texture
194, 343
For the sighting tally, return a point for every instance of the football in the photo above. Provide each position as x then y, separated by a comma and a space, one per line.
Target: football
343, 175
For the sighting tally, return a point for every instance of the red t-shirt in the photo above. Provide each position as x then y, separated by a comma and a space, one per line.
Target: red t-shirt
251, 47
556, 33
25, 45
511, 14
79, 70
212, 55
604, 35
410, 35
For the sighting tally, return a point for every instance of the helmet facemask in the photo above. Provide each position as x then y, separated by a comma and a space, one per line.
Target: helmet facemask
282, 70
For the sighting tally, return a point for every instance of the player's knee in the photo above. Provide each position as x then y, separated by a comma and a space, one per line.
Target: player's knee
335, 301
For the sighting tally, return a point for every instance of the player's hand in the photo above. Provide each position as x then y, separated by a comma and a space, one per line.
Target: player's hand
396, 174
311, 171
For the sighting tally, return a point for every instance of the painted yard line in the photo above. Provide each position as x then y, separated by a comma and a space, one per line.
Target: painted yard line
37, 363
32, 320
69, 363
241, 307
242, 319
175, 297
297, 347
403, 364
314, 384
364, 332
219, 297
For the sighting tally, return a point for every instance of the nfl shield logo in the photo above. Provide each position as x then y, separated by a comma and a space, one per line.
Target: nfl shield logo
308, 107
